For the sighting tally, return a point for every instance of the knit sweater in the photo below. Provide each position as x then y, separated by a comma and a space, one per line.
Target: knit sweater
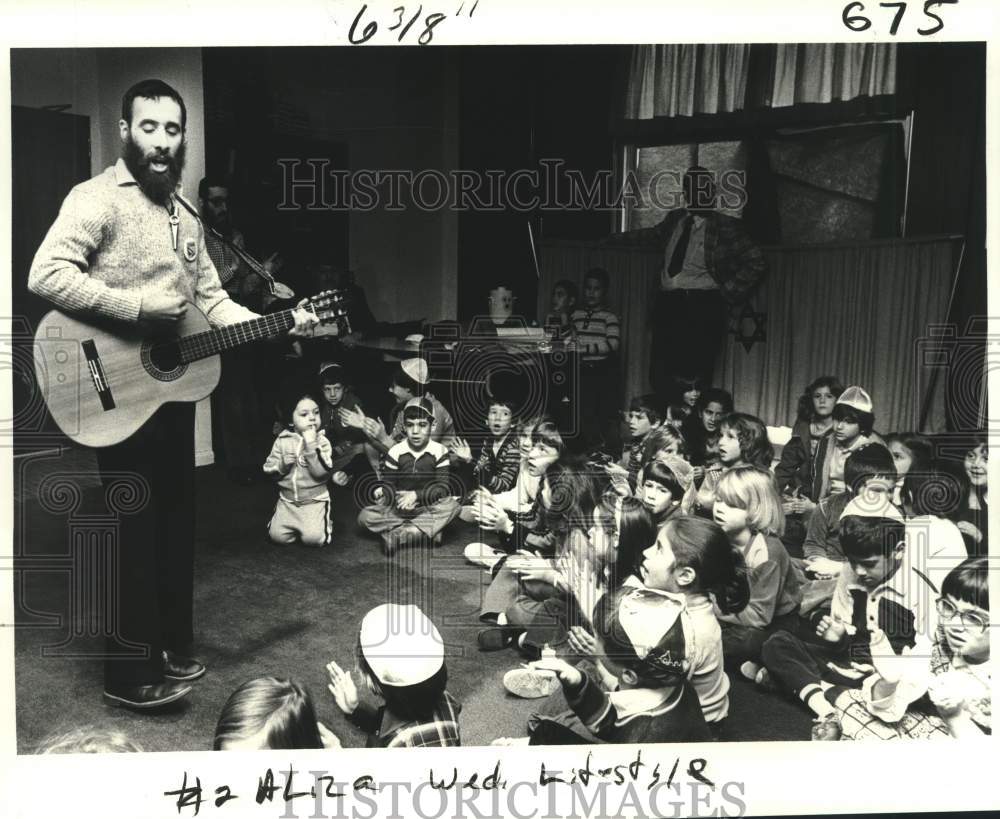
111, 245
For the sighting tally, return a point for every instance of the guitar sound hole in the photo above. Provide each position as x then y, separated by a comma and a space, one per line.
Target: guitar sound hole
163, 360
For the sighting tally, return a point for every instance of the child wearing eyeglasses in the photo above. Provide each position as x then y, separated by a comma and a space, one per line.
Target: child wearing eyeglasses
956, 681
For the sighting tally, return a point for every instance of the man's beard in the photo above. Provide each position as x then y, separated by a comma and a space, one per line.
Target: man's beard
157, 186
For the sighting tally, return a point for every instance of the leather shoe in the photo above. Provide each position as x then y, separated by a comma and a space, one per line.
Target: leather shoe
181, 669
144, 697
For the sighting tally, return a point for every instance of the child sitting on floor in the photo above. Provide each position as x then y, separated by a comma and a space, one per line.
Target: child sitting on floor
347, 442
416, 500
408, 382
881, 589
642, 651
400, 655
534, 599
642, 418
748, 509
301, 461
270, 713
664, 482
956, 680
499, 460
516, 515
868, 472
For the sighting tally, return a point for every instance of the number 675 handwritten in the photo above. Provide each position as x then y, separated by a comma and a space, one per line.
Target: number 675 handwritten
858, 22
369, 30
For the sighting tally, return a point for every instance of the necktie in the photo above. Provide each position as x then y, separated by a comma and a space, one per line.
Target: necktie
680, 249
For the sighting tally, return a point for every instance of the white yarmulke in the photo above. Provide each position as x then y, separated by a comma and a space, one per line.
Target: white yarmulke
857, 398
872, 505
401, 645
423, 404
416, 368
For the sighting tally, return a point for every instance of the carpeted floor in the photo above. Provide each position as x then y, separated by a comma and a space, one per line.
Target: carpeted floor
263, 609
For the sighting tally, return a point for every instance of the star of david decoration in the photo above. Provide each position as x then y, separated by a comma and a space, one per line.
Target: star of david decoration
748, 326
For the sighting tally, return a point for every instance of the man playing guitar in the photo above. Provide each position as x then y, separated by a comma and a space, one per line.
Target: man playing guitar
123, 249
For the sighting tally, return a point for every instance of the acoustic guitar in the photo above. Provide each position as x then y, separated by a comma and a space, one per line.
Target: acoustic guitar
101, 381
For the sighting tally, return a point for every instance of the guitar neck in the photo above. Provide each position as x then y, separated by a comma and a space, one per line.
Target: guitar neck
211, 342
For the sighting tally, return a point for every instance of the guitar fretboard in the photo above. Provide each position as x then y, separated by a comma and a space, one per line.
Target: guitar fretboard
210, 342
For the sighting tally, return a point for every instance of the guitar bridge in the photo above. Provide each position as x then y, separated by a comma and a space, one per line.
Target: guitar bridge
97, 374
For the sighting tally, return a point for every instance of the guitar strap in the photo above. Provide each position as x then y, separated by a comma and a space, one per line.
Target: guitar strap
252, 263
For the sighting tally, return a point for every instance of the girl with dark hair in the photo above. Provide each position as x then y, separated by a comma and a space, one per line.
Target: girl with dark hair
911, 453
813, 424
743, 441
693, 557
973, 513
701, 427
400, 656
634, 531
270, 713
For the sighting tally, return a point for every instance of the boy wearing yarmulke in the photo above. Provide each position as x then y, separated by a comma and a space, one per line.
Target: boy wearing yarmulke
416, 500
347, 442
409, 381
400, 655
644, 695
883, 603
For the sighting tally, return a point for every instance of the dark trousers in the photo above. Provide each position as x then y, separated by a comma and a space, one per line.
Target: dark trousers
237, 425
153, 596
689, 327
797, 661
742, 643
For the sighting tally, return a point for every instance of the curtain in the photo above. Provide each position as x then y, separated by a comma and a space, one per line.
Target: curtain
866, 313
683, 80
634, 275
829, 72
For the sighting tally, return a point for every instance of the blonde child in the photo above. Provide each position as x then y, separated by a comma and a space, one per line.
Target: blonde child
748, 508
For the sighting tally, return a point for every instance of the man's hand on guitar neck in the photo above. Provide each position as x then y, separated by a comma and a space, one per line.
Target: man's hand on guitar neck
162, 307
305, 320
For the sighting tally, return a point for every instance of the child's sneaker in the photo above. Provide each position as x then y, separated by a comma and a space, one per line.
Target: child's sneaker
827, 729
757, 674
530, 683
482, 554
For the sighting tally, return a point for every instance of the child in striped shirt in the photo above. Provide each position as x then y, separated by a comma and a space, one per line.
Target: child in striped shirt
417, 501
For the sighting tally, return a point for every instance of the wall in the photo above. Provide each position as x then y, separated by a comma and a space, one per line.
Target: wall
92, 82
393, 108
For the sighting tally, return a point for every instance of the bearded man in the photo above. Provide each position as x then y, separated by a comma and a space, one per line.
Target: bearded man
124, 249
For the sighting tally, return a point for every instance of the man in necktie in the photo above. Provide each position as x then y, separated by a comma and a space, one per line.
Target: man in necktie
709, 262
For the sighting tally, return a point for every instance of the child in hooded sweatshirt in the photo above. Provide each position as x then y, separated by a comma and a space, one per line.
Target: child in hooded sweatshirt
301, 461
